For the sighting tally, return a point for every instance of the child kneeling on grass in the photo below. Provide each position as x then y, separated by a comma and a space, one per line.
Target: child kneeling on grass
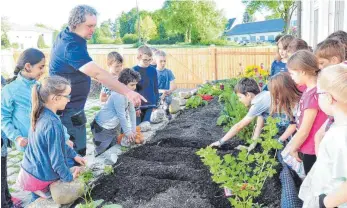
117, 112
249, 94
45, 159
326, 183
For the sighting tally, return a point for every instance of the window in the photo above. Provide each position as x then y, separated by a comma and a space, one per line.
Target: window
253, 38
271, 37
262, 37
244, 38
339, 15
236, 39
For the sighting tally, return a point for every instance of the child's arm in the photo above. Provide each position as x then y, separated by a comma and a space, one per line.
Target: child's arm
120, 103
319, 136
55, 150
234, 130
173, 85
303, 132
289, 132
7, 126
156, 89
259, 126
132, 113
103, 96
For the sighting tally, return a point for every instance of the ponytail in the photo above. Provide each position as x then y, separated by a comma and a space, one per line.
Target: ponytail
54, 85
37, 105
31, 56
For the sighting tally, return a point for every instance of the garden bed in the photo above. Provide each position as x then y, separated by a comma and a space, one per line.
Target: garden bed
166, 172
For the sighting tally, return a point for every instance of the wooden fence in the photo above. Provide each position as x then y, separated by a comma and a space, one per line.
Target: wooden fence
193, 66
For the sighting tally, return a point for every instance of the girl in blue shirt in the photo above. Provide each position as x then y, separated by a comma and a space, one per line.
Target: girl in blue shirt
45, 158
16, 97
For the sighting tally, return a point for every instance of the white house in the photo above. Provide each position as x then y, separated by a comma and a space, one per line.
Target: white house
27, 36
256, 31
319, 18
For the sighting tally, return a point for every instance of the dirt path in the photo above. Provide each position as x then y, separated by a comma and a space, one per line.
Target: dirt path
167, 173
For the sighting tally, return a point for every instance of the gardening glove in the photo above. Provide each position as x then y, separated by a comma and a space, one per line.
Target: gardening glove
241, 147
252, 146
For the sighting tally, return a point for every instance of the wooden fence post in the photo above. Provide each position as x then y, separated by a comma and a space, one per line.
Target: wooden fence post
213, 54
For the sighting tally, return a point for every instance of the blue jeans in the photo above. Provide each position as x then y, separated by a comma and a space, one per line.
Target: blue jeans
145, 115
75, 121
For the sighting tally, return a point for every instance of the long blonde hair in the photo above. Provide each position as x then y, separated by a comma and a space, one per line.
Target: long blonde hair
333, 79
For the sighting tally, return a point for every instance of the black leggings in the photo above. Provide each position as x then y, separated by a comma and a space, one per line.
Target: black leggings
308, 161
5, 194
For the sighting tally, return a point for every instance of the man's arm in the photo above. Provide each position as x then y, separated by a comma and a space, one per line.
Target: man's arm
105, 78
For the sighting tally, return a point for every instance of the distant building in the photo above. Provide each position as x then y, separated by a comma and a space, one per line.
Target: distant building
256, 31
27, 36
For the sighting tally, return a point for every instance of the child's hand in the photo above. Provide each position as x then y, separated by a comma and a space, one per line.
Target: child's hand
294, 153
80, 160
69, 143
138, 113
131, 137
76, 172
215, 144
22, 141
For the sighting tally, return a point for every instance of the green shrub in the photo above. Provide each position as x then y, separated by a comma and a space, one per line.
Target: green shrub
130, 38
219, 42
118, 41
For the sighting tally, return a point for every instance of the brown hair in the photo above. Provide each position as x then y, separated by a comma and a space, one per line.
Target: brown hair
297, 44
284, 94
114, 57
53, 85
285, 40
144, 50
330, 48
160, 53
333, 79
304, 60
341, 36
247, 85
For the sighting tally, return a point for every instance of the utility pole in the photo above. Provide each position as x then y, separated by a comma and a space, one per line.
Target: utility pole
138, 22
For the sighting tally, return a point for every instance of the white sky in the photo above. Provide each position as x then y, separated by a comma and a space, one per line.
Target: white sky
55, 13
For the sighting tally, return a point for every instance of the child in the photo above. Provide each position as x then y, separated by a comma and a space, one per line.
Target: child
148, 86
154, 62
341, 36
325, 185
117, 110
285, 97
166, 80
115, 65
282, 44
45, 159
303, 68
16, 97
295, 45
259, 102
329, 52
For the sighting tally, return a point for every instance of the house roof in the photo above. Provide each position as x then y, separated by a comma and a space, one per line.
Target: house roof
17, 27
274, 25
230, 23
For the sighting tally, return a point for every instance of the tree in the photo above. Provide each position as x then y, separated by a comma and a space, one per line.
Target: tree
187, 17
280, 9
247, 18
148, 29
105, 28
41, 42
127, 22
5, 27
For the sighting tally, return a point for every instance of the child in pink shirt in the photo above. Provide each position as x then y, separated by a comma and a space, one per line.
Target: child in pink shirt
303, 68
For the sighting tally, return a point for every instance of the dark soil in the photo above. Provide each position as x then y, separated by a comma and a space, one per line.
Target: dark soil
166, 172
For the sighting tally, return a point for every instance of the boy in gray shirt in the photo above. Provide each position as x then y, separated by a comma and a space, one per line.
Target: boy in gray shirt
259, 104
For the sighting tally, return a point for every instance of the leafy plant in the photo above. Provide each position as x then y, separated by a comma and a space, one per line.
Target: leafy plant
244, 174
108, 169
195, 101
86, 176
208, 89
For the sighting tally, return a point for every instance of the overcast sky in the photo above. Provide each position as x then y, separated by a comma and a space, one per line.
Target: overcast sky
55, 13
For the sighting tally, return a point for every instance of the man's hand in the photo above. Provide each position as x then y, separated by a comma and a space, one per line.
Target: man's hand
22, 141
294, 153
80, 160
76, 172
135, 98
